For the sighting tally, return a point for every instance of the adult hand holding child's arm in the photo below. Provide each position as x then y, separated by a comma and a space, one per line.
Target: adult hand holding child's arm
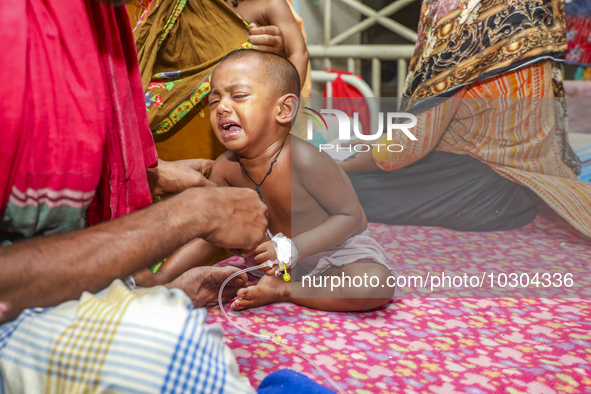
237, 220
49, 270
172, 177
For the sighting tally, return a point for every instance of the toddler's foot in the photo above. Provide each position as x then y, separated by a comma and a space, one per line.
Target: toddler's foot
269, 289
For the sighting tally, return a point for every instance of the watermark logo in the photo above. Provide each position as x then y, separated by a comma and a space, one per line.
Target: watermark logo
317, 118
344, 123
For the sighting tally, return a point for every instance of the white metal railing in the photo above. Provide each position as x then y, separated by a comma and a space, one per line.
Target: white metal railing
377, 53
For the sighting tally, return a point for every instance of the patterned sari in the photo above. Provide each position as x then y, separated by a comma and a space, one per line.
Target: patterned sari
178, 45
484, 82
463, 41
179, 42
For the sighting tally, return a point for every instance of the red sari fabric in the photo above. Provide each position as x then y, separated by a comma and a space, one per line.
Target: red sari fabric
74, 125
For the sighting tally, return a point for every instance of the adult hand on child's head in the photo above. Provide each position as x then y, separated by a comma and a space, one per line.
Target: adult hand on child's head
233, 218
175, 176
267, 39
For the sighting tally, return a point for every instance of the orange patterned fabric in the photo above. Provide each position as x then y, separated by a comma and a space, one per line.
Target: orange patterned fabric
507, 122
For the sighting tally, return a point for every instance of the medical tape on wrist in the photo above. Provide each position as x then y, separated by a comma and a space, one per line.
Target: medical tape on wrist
286, 251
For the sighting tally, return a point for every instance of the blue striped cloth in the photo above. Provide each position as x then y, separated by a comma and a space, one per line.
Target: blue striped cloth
118, 341
585, 157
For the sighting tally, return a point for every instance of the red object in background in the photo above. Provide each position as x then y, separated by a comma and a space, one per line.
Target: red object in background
348, 99
578, 36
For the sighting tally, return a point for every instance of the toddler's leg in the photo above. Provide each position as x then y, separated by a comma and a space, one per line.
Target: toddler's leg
343, 297
194, 254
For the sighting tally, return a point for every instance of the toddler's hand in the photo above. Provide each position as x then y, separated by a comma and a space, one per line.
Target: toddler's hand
265, 252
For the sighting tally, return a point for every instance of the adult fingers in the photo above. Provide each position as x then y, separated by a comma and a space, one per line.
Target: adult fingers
267, 38
203, 166
236, 217
202, 181
206, 167
271, 43
239, 281
270, 30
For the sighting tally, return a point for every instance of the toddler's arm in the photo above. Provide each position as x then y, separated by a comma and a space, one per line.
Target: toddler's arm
327, 183
331, 188
194, 254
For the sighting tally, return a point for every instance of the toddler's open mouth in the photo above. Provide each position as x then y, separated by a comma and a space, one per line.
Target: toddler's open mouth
229, 128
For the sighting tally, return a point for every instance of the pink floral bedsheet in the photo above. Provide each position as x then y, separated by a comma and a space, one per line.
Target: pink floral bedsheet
449, 345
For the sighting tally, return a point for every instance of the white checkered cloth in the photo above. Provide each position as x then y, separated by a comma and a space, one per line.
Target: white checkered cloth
118, 341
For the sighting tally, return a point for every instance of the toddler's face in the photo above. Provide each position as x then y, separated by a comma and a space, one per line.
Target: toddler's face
241, 105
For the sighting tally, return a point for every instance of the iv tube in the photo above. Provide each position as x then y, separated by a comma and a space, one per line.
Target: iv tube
260, 336
264, 337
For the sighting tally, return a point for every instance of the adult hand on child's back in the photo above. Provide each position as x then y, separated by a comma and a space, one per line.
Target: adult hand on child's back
175, 176
232, 217
267, 39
